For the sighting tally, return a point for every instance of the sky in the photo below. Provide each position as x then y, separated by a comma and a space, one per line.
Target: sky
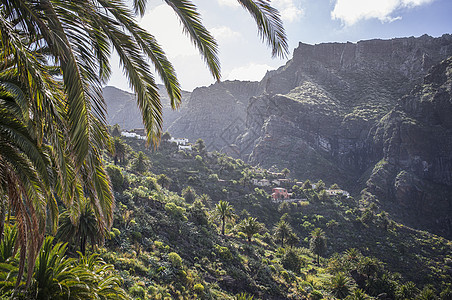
244, 56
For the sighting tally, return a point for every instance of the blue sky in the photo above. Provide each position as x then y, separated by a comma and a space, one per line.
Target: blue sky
243, 56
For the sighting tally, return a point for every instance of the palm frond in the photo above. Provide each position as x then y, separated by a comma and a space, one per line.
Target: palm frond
199, 35
269, 25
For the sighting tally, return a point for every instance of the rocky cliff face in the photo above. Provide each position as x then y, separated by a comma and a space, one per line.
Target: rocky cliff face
216, 114
319, 109
123, 110
414, 179
337, 112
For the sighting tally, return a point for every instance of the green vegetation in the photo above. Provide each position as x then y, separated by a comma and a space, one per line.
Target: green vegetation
169, 241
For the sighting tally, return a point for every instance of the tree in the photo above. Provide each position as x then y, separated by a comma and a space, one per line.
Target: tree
225, 212
120, 150
26, 185
166, 136
358, 294
200, 145
307, 185
285, 172
164, 181
55, 276
80, 224
189, 194
407, 291
250, 226
282, 231
60, 51
317, 243
320, 185
140, 163
340, 286
116, 130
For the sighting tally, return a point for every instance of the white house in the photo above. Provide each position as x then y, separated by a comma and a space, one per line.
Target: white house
132, 135
262, 182
188, 147
337, 192
178, 141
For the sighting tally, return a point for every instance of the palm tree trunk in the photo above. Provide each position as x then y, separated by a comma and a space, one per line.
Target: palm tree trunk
83, 244
222, 225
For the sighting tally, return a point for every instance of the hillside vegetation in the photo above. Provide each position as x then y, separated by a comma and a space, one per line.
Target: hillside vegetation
166, 240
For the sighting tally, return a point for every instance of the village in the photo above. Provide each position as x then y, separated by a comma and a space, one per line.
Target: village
278, 185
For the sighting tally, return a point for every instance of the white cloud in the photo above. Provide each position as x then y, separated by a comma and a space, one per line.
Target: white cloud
225, 34
162, 22
352, 11
288, 9
230, 3
251, 71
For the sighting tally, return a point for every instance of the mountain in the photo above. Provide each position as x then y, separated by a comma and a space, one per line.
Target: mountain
123, 110
217, 113
326, 114
414, 178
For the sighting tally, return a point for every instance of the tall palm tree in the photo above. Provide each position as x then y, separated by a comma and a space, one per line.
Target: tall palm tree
317, 243
282, 231
120, 150
250, 226
225, 212
59, 51
79, 223
25, 180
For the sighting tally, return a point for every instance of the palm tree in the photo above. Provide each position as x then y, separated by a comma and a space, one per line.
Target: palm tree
358, 294
340, 286
120, 150
59, 53
80, 224
407, 291
78, 35
283, 230
317, 243
25, 179
140, 163
225, 212
250, 226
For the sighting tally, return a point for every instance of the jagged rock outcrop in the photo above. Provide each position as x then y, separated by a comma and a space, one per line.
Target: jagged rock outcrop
414, 179
216, 114
333, 112
122, 108
324, 102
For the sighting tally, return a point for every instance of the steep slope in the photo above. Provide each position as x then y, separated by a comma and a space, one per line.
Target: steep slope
123, 110
414, 179
317, 112
216, 113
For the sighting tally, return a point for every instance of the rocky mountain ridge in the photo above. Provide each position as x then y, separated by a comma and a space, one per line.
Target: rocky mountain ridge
414, 178
325, 115
123, 110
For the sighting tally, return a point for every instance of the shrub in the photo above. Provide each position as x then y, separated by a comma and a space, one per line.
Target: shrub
175, 259
198, 288
116, 178
175, 211
137, 291
292, 260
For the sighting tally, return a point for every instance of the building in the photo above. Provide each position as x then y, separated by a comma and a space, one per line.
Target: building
262, 182
279, 194
132, 135
185, 148
140, 131
337, 192
179, 141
